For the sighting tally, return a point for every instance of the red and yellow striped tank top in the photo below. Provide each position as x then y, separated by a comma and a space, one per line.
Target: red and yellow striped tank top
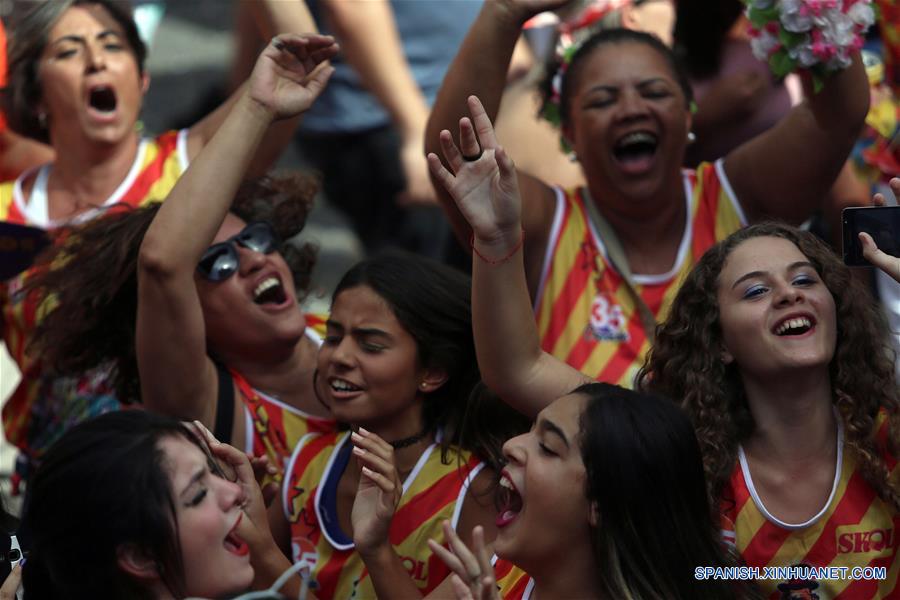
513, 582
585, 314
157, 166
855, 529
272, 427
433, 491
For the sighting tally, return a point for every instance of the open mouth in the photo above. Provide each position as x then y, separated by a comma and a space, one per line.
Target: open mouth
102, 98
794, 326
636, 150
510, 501
342, 386
233, 542
269, 291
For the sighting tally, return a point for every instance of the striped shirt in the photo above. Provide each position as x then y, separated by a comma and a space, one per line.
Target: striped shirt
512, 582
854, 529
157, 166
585, 314
433, 492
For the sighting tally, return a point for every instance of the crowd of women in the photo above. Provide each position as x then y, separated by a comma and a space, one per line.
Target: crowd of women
646, 379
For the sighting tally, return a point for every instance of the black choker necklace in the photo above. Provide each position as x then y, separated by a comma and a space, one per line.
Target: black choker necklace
408, 441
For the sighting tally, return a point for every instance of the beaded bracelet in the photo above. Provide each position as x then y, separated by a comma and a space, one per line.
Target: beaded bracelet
501, 260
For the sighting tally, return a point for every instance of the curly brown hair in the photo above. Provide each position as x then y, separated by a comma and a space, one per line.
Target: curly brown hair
685, 363
90, 277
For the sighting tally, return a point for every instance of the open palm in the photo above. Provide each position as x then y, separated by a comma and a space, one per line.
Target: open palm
285, 79
486, 188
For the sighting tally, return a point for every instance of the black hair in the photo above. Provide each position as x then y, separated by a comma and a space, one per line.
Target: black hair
645, 478
603, 38
700, 30
101, 488
433, 304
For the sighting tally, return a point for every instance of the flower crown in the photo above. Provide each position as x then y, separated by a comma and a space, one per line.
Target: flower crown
572, 33
815, 36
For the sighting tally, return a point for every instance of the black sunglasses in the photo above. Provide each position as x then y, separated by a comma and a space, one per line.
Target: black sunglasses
221, 261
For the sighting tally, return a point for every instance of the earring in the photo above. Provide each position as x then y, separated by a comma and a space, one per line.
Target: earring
691, 137
573, 158
423, 385
42, 119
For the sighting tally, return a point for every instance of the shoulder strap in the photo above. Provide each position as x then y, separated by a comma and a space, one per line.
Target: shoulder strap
616, 255
225, 405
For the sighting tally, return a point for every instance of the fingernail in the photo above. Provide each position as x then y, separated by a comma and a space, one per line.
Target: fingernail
356, 436
358, 451
363, 431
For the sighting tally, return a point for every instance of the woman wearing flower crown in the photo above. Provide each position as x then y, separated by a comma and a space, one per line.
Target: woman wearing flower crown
604, 261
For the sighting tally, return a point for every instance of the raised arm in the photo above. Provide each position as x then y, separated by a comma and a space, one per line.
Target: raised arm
887, 263
371, 44
272, 17
177, 378
480, 68
785, 172
506, 339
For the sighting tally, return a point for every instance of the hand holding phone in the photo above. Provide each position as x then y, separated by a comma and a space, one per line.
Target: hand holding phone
10, 556
871, 235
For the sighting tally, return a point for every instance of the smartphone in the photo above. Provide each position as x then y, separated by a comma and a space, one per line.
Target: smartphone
881, 222
10, 555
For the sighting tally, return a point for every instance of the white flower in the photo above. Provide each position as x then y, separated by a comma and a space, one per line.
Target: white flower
836, 29
792, 20
803, 54
861, 13
763, 45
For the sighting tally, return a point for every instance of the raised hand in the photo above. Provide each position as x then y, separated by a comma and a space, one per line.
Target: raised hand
378, 494
473, 574
288, 77
887, 263
237, 466
483, 180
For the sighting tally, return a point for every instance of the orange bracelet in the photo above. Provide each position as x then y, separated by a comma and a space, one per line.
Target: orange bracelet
501, 260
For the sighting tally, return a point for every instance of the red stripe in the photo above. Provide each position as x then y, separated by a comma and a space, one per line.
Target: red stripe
850, 510
502, 568
627, 353
705, 219
868, 588
518, 590
329, 575
567, 212
581, 351
137, 193
422, 507
576, 281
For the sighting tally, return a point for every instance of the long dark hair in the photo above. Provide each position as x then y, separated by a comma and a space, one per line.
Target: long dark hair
90, 275
685, 363
645, 477
700, 31
103, 487
433, 304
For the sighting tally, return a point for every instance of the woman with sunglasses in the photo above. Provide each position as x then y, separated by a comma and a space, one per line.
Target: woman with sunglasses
200, 332
212, 290
77, 80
